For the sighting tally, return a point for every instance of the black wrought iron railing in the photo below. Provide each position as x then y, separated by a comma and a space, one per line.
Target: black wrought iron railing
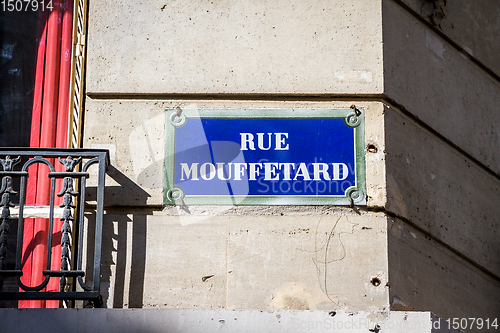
66, 178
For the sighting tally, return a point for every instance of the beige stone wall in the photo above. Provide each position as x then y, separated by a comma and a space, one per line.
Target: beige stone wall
146, 57
441, 192
235, 47
429, 78
427, 274
472, 26
430, 228
256, 257
322, 259
441, 132
443, 230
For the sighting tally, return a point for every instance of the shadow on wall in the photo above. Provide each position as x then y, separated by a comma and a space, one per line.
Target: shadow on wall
425, 276
123, 245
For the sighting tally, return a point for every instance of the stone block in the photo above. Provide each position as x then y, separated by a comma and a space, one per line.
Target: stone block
438, 189
424, 274
325, 262
328, 261
155, 261
250, 47
134, 130
475, 27
440, 87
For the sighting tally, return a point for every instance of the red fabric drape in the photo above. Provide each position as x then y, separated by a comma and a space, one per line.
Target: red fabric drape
49, 129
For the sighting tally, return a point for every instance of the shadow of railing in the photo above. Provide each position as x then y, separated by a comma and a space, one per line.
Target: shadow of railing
124, 241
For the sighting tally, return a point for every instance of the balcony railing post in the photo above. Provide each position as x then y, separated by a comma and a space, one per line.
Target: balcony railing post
6, 191
67, 193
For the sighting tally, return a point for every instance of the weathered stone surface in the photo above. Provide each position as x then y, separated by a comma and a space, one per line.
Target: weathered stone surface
300, 257
158, 259
304, 262
474, 26
445, 194
247, 47
155, 261
135, 130
440, 87
426, 275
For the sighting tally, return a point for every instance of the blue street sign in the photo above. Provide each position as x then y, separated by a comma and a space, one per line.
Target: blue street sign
257, 157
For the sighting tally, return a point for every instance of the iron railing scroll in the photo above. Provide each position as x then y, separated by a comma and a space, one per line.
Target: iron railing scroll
15, 164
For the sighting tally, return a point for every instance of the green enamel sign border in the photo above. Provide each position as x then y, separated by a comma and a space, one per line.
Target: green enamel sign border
355, 194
